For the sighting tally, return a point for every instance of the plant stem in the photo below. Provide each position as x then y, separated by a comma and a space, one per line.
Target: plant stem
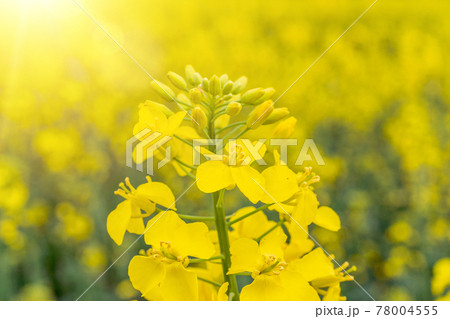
248, 214
230, 126
209, 281
196, 218
199, 260
183, 140
184, 164
270, 230
224, 243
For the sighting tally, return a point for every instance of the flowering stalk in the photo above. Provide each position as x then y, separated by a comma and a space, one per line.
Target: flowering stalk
183, 260
221, 224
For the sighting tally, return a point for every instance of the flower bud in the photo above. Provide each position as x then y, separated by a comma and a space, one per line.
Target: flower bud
195, 96
205, 84
234, 108
277, 114
227, 87
239, 85
199, 117
222, 121
163, 90
214, 85
223, 79
251, 96
267, 95
259, 114
190, 74
197, 79
161, 107
227, 97
285, 128
177, 80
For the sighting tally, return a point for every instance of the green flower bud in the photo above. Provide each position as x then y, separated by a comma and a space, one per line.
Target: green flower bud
177, 80
277, 114
205, 84
190, 74
227, 87
159, 106
163, 90
214, 85
199, 117
197, 79
195, 96
223, 79
234, 108
227, 97
267, 95
285, 128
239, 85
259, 114
251, 96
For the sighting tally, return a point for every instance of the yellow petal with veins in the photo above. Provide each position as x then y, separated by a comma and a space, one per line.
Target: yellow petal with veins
327, 218
118, 220
281, 184
162, 227
273, 243
213, 176
145, 273
245, 256
249, 181
179, 284
158, 193
314, 265
193, 240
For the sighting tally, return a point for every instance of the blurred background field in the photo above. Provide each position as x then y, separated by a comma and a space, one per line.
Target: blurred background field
376, 105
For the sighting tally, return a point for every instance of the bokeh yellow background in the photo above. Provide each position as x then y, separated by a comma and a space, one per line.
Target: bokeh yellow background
376, 105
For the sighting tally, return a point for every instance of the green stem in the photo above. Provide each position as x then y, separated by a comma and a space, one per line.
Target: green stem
184, 164
224, 243
196, 218
199, 260
209, 281
248, 214
230, 126
183, 140
242, 133
188, 173
270, 230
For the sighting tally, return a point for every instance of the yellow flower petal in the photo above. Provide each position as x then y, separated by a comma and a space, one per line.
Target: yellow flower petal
213, 176
179, 284
136, 226
306, 209
151, 118
299, 243
158, 193
281, 184
327, 218
162, 227
252, 226
118, 220
193, 240
296, 287
288, 286
245, 256
250, 182
222, 293
175, 121
273, 243
264, 288
313, 265
145, 273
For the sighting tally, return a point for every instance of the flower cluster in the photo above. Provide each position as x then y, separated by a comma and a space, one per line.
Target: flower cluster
191, 261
